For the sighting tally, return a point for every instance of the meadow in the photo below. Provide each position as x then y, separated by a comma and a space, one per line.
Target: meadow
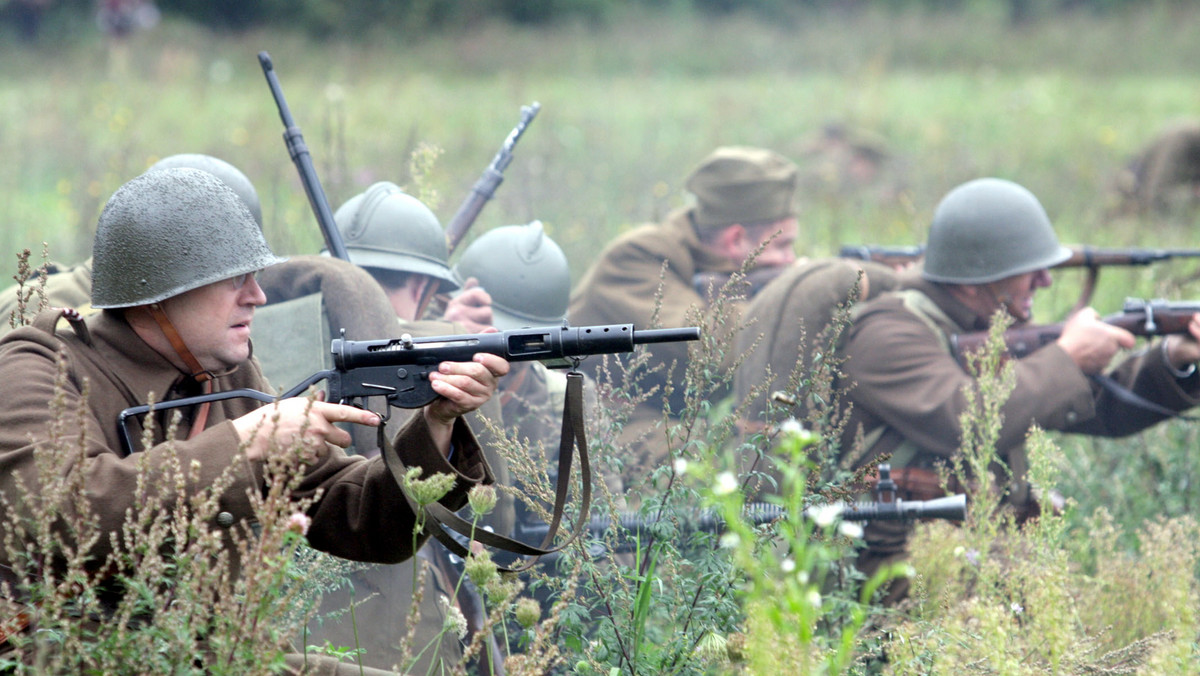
628, 108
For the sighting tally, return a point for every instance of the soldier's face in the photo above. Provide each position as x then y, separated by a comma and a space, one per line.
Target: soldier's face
780, 241
214, 320
1016, 293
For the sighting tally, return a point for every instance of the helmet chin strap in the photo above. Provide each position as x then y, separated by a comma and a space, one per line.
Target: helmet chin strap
201, 374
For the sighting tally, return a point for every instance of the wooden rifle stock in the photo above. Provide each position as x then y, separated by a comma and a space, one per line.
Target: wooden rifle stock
1139, 317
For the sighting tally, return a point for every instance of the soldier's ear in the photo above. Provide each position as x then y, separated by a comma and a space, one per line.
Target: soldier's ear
734, 242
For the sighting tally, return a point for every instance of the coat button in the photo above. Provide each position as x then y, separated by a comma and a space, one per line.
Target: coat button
224, 519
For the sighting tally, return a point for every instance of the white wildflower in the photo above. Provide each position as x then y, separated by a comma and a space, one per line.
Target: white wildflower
824, 515
850, 529
791, 427
726, 484
455, 621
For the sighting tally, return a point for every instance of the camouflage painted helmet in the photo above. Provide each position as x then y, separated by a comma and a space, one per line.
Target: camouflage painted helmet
989, 229
385, 227
525, 273
170, 231
229, 174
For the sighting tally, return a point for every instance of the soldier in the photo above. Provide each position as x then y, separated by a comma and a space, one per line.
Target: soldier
71, 287
528, 283
1165, 175
175, 257
989, 247
743, 201
845, 163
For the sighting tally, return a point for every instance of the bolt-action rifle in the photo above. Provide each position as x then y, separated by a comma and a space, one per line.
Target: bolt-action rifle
1082, 256
1139, 317
492, 176
303, 161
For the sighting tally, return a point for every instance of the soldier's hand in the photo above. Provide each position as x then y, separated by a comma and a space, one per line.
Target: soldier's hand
1184, 350
1092, 343
299, 422
464, 387
472, 307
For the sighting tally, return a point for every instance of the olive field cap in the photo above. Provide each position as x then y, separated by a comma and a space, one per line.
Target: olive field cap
385, 227
170, 231
524, 272
738, 184
989, 229
229, 174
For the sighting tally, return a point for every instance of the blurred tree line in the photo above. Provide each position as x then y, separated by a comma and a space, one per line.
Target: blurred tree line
334, 18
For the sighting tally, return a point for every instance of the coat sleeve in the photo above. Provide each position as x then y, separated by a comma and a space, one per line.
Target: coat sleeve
903, 375
1148, 376
41, 443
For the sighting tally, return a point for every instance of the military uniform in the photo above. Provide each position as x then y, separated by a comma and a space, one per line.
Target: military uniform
906, 395
649, 275
622, 287
786, 324
1165, 175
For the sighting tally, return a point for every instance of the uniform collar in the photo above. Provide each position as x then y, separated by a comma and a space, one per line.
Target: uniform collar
706, 260
142, 368
959, 313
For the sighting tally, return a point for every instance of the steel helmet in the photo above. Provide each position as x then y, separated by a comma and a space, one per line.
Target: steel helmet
385, 227
170, 231
524, 272
229, 174
989, 229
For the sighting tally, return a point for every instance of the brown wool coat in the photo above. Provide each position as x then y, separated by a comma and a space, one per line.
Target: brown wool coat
623, 287
359, 515
906, 381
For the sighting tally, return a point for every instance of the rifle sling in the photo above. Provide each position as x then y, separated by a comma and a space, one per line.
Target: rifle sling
438, 518
1131, 398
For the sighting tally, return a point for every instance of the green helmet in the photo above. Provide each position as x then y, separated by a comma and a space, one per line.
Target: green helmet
989, 229
525, 273
223, 170
385, 227
170, 231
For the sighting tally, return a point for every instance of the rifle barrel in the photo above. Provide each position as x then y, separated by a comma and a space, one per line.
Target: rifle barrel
647, 336
303, 161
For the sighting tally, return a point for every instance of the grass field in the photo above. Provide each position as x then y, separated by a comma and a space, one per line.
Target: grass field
627, 109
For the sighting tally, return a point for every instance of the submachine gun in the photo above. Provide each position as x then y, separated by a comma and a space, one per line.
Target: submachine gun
630, 528
398, 369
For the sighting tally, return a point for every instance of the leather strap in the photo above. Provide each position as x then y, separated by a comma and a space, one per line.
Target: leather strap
438, 518
1131, 398
201, 374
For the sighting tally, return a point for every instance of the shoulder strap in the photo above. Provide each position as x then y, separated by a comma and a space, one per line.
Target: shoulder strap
923, 307
47, 320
